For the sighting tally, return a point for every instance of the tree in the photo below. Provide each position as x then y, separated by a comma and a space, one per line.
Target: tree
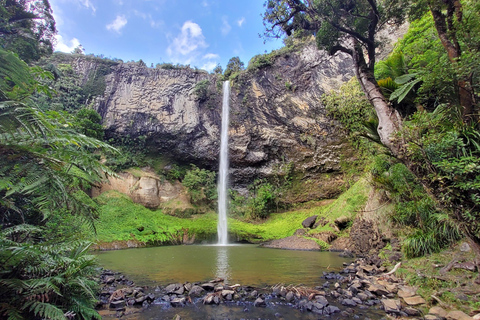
79, 50
218, 69
448, 17
349, 27
234, 65
27, 27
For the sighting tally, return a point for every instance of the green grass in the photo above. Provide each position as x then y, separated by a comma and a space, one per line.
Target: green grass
348, 204
121, 220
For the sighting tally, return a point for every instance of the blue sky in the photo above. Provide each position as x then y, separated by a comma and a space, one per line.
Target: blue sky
201, 33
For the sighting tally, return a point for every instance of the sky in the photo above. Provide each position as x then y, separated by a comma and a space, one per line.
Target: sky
201, 33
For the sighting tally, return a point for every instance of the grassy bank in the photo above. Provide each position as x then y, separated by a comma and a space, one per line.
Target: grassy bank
122, 220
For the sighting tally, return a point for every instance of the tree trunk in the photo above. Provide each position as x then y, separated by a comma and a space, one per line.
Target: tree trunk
389, 120
448, 36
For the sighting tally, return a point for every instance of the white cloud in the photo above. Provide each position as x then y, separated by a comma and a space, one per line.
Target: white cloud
186, 45
88, 4
211, 56
149, 18
225, 26
205, 3
209, 66
62, 46
241, 21
117, 24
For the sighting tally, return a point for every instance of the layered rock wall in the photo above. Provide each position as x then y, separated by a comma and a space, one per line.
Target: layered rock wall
276, 113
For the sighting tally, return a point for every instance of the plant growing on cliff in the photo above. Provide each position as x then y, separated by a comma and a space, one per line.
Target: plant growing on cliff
350, 28
201, 185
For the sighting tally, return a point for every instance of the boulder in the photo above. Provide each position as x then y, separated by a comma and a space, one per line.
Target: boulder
208, 286
259, 303
458, 315
391, 305
118, 304
342, 222
289, 296
171, 288
414, 301
437, 311
178, 302
309, 222
196, 291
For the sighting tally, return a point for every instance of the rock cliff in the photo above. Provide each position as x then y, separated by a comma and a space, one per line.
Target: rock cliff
276, 113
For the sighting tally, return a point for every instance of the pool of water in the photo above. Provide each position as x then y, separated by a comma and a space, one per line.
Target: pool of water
243, 264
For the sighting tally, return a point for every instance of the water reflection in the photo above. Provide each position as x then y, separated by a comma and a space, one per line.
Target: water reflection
223, 268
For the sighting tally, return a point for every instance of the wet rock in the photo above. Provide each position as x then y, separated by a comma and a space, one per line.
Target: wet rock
322, 300
254, 294
414, 301
309, 222
331, 310
187, 286
391, 305
117, 305
259, 303
348, 303
171, 288
289, 296
178, 302
227, 292
109, 280
196, 291
357, 300
208, 286
139, 300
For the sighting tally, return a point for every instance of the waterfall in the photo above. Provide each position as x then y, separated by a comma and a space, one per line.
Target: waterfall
223, 169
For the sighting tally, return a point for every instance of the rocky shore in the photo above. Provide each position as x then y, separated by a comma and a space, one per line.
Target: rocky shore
361, 286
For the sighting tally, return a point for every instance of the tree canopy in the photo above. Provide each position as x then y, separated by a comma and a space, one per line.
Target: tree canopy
27, 27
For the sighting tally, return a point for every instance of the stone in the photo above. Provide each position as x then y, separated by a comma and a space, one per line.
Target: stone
290, 296
348, 303
362, 296
109, 280
322, 300
357, 300
309, 222
391, 305
227, 292
437, 311
379, 290
465, 247
118, 304
259, 303
187, 286
171, 288
208, 286
476, 317
331, 310
414, 301
432, 317
342, 222
178, 302
177, 317
458, 315
412, 312
196, 291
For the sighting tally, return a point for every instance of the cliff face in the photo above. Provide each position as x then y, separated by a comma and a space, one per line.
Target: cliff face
276, 113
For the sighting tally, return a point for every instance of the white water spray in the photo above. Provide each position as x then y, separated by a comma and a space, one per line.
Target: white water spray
223, 169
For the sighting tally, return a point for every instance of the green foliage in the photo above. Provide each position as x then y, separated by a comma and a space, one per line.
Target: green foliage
349, 106
201, 90
89, 123
95, 85
45, 280
201, 185
27, 28
234, 65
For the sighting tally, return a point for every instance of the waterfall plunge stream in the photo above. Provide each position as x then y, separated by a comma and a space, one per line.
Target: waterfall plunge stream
223, 168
